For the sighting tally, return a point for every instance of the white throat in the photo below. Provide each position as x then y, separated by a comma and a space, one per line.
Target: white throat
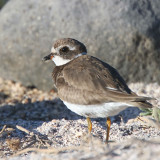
61, 61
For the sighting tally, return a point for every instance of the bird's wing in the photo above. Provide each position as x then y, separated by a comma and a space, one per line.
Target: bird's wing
88, 80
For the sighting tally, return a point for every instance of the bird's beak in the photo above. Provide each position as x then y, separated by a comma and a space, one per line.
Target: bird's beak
49, 57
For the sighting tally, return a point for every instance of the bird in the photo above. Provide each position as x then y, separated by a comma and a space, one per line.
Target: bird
88, 86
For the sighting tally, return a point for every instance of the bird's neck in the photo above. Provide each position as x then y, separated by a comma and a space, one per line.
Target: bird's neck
59, 61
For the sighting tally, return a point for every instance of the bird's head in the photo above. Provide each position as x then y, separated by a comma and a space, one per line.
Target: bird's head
65, 50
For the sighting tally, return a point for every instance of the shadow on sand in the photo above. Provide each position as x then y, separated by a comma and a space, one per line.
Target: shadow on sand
37, 113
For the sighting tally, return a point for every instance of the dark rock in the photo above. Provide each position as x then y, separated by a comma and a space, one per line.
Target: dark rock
125, 34
3, 2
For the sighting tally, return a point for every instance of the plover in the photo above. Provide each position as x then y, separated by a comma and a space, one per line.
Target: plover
89, 86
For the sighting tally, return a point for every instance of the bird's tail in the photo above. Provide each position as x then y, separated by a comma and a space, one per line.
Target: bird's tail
142, 104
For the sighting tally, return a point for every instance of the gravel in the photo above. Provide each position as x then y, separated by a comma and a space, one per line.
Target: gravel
38, 122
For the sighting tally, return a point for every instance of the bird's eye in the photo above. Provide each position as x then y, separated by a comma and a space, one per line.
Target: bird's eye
65, 49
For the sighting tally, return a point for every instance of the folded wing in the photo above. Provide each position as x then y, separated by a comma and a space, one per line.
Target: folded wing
88, 80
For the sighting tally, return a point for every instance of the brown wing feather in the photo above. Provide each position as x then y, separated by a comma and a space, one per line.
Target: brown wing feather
89, 73
88, 80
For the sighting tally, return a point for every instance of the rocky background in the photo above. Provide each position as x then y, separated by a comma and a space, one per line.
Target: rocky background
34, 124
124, 33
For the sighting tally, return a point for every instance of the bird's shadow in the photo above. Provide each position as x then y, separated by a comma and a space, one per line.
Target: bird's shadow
35, 114
38, 112
123, 116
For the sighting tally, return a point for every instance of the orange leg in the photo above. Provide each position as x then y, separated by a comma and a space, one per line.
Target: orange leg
89, 125
108, 122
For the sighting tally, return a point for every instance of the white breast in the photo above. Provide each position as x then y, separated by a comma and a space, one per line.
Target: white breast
97, 111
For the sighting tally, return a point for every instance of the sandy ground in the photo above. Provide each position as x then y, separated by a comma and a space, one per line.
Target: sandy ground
36, 125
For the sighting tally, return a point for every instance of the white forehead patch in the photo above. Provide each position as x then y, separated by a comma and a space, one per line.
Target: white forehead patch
53, 50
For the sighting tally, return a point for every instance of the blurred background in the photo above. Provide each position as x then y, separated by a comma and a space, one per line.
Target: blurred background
123, 33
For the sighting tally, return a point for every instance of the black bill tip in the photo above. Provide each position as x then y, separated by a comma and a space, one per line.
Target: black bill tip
46, 58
